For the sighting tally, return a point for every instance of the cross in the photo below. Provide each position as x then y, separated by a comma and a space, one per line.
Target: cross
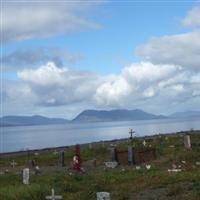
53, 196
131, 133
13, 163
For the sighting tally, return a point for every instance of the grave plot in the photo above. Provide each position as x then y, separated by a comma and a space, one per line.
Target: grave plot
144, 155
136, 156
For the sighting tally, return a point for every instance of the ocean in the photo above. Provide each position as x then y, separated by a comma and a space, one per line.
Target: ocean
38, 137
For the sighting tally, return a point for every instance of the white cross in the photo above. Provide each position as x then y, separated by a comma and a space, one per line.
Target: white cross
13, 163
53, 196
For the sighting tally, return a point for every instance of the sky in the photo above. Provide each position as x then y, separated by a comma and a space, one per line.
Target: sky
59, 58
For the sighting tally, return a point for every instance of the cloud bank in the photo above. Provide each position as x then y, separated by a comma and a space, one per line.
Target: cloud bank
21, 22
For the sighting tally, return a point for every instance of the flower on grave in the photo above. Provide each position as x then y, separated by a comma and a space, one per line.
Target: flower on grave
148, 167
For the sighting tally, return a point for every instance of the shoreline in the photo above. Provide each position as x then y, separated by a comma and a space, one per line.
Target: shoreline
84, 145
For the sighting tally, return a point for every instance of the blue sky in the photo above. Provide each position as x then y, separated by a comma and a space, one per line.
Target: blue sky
101, 38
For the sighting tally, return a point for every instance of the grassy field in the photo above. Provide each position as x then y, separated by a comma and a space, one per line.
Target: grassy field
123, 182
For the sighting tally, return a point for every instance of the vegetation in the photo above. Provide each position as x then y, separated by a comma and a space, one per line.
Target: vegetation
123, 182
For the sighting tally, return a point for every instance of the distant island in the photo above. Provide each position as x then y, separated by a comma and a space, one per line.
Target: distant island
88, 116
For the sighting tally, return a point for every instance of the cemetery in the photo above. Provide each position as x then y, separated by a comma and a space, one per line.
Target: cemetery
165, 167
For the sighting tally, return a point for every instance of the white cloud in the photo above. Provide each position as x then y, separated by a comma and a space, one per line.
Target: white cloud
56, 86
182, 49
193, 18
27, 20
136, 82
154, 88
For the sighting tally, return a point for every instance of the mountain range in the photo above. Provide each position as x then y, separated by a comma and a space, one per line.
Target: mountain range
93, 116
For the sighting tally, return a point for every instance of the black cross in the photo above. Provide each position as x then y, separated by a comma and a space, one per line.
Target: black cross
131, 133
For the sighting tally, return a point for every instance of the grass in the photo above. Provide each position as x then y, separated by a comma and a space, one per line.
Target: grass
126, 184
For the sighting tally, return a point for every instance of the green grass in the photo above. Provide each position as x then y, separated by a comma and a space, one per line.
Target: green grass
130, 184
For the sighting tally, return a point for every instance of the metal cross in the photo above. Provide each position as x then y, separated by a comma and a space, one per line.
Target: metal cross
53, 196
131, 133
13, 163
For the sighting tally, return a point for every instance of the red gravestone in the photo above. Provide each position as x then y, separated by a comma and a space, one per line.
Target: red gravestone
77, 159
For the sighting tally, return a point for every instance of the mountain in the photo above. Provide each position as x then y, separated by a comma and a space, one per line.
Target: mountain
186, 114
29, 120
114, 115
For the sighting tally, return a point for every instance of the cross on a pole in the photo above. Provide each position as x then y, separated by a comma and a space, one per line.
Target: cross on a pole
13, 163
53, 196
131, 133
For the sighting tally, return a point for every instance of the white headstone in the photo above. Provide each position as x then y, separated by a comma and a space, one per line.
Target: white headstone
137, 167
144, 143
90, 146
148, 167
53, 196
26, 176
111, 164
13, 163
187, 142
103, 196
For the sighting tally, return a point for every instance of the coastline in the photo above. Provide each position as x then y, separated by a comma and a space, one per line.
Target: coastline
85, 145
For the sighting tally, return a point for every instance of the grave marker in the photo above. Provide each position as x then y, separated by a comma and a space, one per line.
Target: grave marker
25, 176
77, 159
62, 159
131, 132
103, 196
53, 196
114, 157
13, 163
131, 159
90, 145
187, 142
111, 164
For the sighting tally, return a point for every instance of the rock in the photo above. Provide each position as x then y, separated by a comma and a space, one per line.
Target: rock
111, 164
103, 196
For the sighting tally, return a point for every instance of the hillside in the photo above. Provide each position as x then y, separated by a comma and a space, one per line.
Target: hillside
29, 120
115, 115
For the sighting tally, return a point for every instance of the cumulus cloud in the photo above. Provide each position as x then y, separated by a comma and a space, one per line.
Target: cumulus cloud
193, 18
154, 88
56, 86
27, 20
136, 82
182, 49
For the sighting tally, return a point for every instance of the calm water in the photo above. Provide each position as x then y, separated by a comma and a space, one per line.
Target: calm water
33, 137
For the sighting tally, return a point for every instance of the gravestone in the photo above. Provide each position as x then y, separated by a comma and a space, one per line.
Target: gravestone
77, 159
33, 163
103, 196
144, 155
122, 157
62, 159
90, 146
37, 170
114, 157
53, 196
111, 164
25, 176
13, 163
131, 159
187, 142
131, 132
144, 143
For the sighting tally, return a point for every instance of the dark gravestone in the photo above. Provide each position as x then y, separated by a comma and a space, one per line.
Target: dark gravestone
145, 155
131, 158
122, 157
62, 159
114, 157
